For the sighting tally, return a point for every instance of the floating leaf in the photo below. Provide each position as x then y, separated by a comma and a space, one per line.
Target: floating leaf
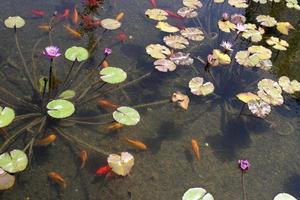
253, 33
166, 27
246, 59
247, 96
192, 33
15, 21
176, 41
219, 1
238, 3
7, 115
289, 86
164, 65
76, 53
121, 165
259, 108
192, 3
284, 196
226, 26
13, 162
292, 4
266, 20
158, 51
60, 108
6, 180
277, 43
67, 94
197, 194
113, 75
284, 27
110, 24
156, 14
262, 52
198, 88
181, 58
270, 92
126, 115
181, 99
222, 58
187, 12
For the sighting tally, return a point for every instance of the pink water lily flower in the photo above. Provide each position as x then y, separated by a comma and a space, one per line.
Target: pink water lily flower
244, 165
107, 51
52, 52
241, 28
226, 45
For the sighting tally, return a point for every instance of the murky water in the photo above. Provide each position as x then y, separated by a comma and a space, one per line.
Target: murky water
168, 168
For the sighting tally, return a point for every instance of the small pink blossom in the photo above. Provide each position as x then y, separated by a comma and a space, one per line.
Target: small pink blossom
238, 19
107, 51
225, 16
51, 52
240, 28
244, 165
226, 45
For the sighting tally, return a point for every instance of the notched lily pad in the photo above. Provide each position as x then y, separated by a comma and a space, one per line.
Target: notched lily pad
176, 41
13, 162
199, 88
166, 27
164, 65
126, 115
7, 115
192, 4
76, 53
192, 33
60, 108
113, 75
15, 21
197, 194
156, 14
187, 12
158, 51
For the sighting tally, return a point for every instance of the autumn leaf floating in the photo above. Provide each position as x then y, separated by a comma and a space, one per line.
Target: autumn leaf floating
199, 88
284, 27
158, 51
247, 96
181, 99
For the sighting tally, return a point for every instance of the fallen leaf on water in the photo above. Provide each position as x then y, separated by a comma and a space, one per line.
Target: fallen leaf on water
181, 99
247, 96
284, 27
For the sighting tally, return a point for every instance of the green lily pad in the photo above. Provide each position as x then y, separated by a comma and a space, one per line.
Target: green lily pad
68, 94
17, 21
76, 53
126, 115
113, 75
197, 194
284, 196
60, 108
7, 115
13, 162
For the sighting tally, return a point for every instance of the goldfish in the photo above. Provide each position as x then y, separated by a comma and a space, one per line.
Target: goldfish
114, 126
83, 158
120, 16
153, 3
45, 27
57, 178
104, 103
105, 64
136, 143
122, 37
75, 16
172, 14
89, 22
103, 170
196, 149
38, 13
65, 14
73, 32
92, 3
46, 140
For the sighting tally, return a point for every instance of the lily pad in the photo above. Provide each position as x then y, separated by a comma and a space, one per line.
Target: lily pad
60, 108
110, 24
181, 58
68, 94
166, 27
226, 26
126, 115
13, 162
15, 21
266, 20
164, 65
156, 14
277, 43
238, 3
113, 75
192, 33
284, 196
176, 41
7, 115
192, 3
121, 165
197, 194
158, 51
6, 180
198, 87
76, 53
187, 12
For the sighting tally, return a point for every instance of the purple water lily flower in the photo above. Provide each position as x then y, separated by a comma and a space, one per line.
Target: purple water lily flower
51, 52
225, 16
107, 51
244, 165
240, 28
226, 45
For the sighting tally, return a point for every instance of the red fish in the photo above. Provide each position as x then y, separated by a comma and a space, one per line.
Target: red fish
103, 170
89, 22
65, 14
75, 16
172, 14
92, 3
38, 13
153, 3
122, 37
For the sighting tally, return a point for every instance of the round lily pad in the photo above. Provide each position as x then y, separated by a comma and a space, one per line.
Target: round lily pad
197, 194
113, 75
16, 21
7, 115
13, 162
284, 196
76, 53
60, 108
110, 24
126, 115
68, 94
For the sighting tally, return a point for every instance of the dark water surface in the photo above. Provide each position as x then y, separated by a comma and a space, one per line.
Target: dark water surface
168, 168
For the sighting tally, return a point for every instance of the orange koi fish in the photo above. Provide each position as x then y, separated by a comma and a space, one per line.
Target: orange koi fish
73, 32
104, 103
38, 13
196, 149
103, 170
46, 140
136, 143
104, 64
153, 3
83, 158
114, 126
120, 16
75, 16
57, 178
65, 14
45, 27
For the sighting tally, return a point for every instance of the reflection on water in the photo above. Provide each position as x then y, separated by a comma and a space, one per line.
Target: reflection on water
169, 168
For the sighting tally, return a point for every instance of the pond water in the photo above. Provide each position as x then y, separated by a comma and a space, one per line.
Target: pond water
168, 168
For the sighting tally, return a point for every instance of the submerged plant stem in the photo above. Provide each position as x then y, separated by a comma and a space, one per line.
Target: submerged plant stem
50, 78
153, 103
243, 184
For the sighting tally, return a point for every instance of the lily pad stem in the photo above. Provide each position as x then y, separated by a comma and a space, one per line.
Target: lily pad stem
69, 73
50, 78
243, 184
